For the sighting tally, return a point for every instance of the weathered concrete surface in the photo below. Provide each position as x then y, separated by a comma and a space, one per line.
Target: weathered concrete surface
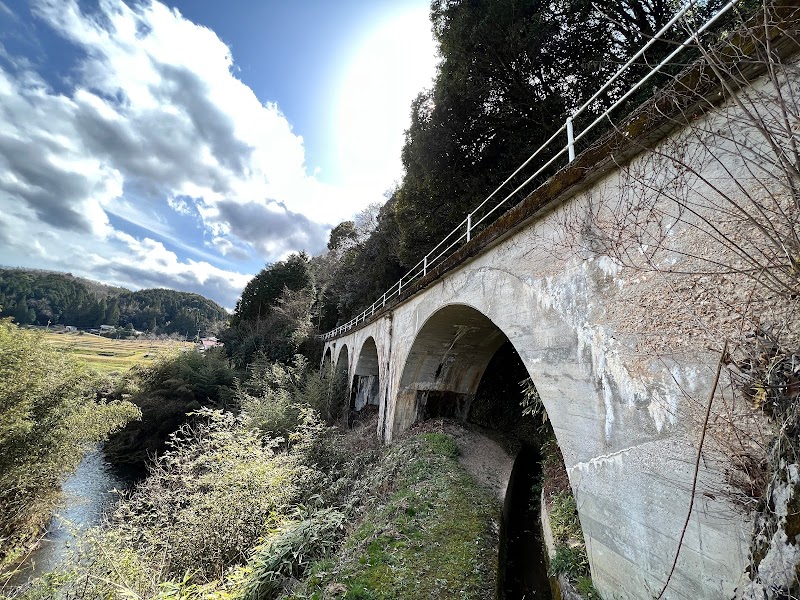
624, 423
622, 357
371, 346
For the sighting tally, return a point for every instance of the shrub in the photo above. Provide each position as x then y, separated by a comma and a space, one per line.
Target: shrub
177, 383
287, 554
275, 395
210, 497
586, 588
570, 561
564, 518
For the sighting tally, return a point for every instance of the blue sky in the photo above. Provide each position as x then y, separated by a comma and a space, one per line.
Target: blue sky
185, 144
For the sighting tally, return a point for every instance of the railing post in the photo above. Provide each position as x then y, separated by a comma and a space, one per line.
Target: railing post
469, 226
425, 266
570, 140
399, 287
384, 299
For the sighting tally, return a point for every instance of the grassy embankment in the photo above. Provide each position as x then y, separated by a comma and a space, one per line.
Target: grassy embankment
427, 530
404, 522
276, 503
109, 355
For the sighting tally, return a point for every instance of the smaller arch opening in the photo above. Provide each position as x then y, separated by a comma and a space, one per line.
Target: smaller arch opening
327, 362
342, 361
365, 389
337, 385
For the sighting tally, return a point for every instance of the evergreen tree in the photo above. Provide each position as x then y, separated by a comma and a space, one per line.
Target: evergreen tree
261, 294
511, 72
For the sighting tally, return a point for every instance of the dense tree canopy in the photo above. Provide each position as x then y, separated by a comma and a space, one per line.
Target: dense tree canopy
358, 275
511, 72
261, 294
273, 315
165, 391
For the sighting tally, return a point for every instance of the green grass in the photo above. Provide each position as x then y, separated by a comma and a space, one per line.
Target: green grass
109, 355
429, 531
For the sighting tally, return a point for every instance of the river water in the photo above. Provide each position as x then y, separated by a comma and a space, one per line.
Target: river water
88, 493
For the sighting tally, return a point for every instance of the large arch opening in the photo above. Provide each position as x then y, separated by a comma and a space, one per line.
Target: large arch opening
366, 378
445, 366
463, 366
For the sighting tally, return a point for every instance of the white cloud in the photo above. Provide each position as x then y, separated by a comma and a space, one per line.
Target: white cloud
155, 123
156, 108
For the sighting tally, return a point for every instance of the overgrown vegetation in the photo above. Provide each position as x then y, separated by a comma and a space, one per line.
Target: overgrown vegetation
428, 530
570, 559
769, 376
273, 318
52, 410
175, 384
253, 494
269, 504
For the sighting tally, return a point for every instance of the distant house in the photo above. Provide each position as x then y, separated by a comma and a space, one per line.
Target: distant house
69, 328
206, 343
107, 329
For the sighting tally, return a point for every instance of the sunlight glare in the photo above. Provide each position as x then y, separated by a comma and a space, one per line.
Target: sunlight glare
389, 69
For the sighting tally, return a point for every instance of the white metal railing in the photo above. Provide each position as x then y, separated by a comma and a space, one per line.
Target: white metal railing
462, 233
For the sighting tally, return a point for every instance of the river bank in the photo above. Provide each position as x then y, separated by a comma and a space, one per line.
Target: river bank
90, 491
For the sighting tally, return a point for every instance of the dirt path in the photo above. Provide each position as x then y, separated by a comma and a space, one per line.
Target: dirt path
482, 457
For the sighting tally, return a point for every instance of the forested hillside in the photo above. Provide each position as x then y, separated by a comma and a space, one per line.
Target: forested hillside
42, 297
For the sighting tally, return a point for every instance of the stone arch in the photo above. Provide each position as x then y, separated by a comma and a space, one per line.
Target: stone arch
442, 376
366, 377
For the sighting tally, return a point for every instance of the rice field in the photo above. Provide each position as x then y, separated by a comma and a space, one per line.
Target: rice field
110, 355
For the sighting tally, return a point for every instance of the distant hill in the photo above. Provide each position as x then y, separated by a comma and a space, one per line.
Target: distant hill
36, 297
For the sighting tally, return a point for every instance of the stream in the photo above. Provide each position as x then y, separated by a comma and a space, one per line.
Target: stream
87, 495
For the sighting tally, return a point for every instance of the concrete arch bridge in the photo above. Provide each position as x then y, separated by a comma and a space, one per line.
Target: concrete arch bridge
599, 280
